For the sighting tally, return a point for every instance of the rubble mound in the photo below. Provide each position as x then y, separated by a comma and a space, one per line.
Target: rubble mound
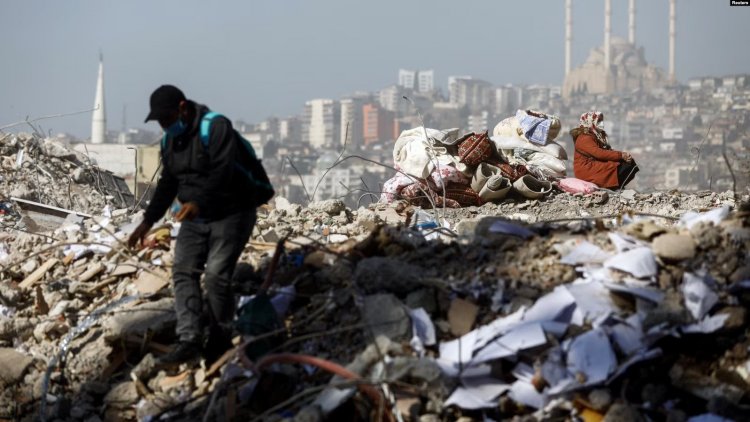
568, 307
42, 172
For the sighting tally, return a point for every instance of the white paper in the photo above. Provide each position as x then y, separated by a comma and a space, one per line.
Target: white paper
525, 393
639, 262
523, 372
498, 327
478, 390
585, 253
554, 370
422, 326
556, 305
707, 325
623, 242
628, 336
647, 293
592, 301
456, 354
716, 216
699, 298
591, 354
522, 337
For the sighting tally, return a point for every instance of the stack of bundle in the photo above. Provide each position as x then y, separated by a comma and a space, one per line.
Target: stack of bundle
437, 167
528, 139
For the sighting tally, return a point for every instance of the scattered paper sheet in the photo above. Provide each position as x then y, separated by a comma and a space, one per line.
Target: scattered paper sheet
699, 298
524, 392
639, 262
456, 354
650, 294
422, 326
628, 336
498, 327
478, 390
623, 242
591, 354
592, 301
707, 325
522, 337
716, 216
585, 253
556, 305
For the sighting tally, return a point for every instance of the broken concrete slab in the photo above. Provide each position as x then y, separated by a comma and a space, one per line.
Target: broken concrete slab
151, 281
140, 319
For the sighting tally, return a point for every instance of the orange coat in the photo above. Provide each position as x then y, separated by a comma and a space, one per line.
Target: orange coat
595, 164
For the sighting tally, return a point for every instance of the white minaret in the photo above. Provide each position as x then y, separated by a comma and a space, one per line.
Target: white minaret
631, 22
672, 13
99, 120
568, 34
607, 33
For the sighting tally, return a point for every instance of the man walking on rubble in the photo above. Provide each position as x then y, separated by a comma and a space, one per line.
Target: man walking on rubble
200, 156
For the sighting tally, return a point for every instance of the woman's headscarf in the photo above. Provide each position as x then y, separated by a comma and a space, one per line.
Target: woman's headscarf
588, 123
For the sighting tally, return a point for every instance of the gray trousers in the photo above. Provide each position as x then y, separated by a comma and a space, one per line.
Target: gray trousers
211, 248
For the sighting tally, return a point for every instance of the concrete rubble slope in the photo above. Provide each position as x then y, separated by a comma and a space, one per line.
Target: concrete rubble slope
526, 310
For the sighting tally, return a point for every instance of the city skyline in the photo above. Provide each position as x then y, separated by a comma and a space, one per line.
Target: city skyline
282, 72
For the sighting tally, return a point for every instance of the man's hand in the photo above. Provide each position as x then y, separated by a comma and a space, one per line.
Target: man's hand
188, 212
627, 157
138, 234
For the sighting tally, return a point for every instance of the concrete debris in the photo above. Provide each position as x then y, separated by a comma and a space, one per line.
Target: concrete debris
13, 364
556, 308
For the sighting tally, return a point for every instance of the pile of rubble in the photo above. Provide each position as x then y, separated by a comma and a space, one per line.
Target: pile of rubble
39, 174
626, 308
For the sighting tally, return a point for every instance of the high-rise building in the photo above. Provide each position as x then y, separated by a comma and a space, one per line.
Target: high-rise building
425, 80
406, 78
290, 130
391, 99
99, 118
351, 115
320, 126
467, 91
377, 124
420, 81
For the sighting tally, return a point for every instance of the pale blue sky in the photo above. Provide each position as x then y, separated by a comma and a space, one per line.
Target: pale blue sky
253, 59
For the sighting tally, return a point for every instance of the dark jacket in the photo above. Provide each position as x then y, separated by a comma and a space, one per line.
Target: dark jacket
593, 163
206, 176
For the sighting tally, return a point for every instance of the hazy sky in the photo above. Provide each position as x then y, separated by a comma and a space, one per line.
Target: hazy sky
252, 59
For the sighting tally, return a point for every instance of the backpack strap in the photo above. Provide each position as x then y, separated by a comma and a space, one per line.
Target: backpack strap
164, 147
206, 127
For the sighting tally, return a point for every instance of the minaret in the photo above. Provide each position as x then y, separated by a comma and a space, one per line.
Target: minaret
672, 13
99, 120
607, 33
568, 34
631, 22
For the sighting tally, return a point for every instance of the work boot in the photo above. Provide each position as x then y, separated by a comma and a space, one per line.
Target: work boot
184, 351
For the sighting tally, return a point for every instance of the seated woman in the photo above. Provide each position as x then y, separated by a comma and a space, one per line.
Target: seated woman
595, 161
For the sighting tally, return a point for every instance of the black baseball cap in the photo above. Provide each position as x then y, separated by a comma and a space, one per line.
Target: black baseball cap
164, 100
